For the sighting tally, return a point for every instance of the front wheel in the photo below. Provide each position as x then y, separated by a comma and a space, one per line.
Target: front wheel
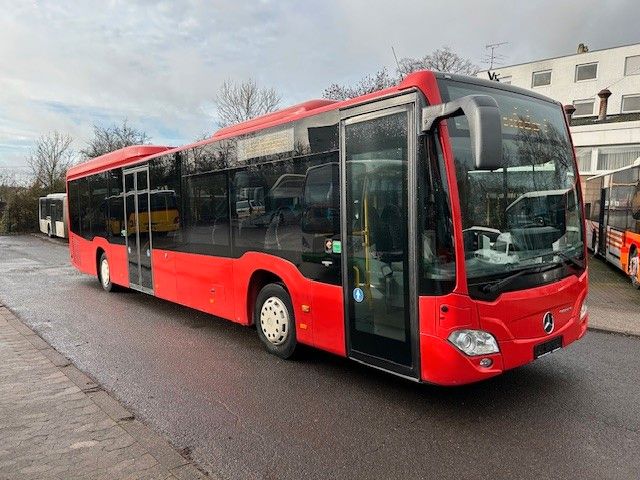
104, 273
275, 321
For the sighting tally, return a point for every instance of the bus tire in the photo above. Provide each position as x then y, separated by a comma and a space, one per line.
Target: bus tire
633, 256
49, 234
104, 273
275, 321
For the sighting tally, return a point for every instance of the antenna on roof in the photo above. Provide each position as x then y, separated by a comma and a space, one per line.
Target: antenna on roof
494, 58
396, 57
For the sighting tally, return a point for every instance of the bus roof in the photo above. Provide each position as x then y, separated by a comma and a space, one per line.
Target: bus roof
55, 196
424, 80
116, 158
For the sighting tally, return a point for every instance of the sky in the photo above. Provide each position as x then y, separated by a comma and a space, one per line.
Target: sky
67, 66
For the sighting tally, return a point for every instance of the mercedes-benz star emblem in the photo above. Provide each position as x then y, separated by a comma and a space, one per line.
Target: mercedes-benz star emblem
547, 323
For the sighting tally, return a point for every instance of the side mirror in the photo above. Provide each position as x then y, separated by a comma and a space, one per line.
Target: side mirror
485, 126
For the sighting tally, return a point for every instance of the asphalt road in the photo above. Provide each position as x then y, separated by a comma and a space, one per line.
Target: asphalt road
209, 386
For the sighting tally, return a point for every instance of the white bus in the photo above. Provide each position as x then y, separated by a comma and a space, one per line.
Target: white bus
53, 215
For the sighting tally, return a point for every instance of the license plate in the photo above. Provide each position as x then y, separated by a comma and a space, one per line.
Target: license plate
546, 348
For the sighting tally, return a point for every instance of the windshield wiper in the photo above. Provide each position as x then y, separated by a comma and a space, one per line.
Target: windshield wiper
573, 260
496, 285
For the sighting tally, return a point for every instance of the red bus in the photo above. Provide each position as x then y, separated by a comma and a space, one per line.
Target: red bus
612, 208
433, 230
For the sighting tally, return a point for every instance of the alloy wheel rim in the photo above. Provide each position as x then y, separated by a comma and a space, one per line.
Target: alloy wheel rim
274, 320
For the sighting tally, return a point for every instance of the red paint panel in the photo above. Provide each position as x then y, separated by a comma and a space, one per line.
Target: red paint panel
204, 283
328, 318
631, 240
84, 256
516, 353
518, 315
118, 264
164, 274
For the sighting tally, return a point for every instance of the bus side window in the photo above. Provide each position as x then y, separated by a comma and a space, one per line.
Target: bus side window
321, 202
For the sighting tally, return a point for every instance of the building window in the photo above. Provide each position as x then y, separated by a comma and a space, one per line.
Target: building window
541, 78
630, 103
583, 155
506, 80
584, 108
610, 158
632, 65
587, 71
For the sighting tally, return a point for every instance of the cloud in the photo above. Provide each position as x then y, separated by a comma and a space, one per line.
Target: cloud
69, 65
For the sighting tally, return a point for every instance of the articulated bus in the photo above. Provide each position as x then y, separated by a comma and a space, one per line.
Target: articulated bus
52, 214
433, 230
612, 208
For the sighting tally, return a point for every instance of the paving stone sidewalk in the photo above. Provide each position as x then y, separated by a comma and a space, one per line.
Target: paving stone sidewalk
56, 423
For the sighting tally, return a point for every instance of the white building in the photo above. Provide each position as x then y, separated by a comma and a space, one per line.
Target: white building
602, 142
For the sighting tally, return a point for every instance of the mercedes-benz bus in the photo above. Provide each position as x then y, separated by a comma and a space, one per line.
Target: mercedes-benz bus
433, 230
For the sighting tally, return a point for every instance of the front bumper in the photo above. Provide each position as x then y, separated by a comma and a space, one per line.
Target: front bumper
443, 364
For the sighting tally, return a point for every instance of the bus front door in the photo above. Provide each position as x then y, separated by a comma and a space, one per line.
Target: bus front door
138, 227
602, 222
377, 271
53, 214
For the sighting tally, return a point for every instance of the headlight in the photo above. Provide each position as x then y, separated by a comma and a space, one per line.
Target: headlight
583, 310
474, 342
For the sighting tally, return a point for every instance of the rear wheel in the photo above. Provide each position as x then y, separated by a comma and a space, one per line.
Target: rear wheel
633, 268
104, 273
275, 321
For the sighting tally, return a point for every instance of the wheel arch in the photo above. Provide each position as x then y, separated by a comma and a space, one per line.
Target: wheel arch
258, 280
99, 252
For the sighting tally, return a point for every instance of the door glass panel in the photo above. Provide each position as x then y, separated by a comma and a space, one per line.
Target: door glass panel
139, 221
142, 180
143, 237
131, 222
53, 219
376, 237
129, 184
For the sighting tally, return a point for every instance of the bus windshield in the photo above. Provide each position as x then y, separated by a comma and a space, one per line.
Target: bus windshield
528, 212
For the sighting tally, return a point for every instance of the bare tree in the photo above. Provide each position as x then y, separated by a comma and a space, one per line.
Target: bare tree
443, 60
114, 137
371, 83
6, 180
49, 161
238, 102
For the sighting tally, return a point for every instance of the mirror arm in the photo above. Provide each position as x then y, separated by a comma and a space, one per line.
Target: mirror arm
434, 113
485, 125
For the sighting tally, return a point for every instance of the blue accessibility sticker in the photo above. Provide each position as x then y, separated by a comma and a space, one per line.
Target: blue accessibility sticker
358, 295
